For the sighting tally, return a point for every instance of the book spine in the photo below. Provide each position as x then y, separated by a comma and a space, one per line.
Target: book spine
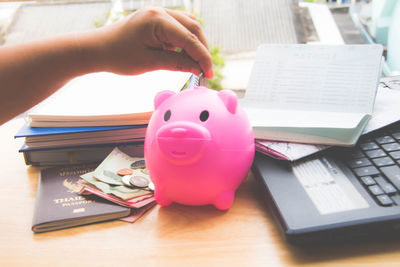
69, 157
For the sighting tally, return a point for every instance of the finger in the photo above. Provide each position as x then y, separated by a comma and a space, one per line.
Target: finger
190, 23
189, 15
172, 32
169, 60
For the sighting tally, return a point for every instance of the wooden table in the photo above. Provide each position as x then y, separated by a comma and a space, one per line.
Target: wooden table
245, 235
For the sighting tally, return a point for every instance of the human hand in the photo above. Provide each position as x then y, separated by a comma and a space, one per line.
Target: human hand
147, 40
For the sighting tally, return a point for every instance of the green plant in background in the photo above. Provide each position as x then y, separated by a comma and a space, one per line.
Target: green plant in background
217, 60
100, 21
218, 64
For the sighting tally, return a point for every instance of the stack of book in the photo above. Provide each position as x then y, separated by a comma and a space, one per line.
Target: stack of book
92, 114
73, 145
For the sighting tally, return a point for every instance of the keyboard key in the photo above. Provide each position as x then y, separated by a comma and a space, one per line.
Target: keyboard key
369, 170
396, 199
369, 146
356, 154
368, 180
384, 200
376, 153
362, 162
396, 134
380, 162
375, 190
393, 174
387, 187
395, 154
384, 139
391, 147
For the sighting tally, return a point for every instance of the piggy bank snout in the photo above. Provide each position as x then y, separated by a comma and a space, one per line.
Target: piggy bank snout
178, 132
182, 142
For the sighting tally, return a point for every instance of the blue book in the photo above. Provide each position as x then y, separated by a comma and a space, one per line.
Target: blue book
27, 148
56, 138
26, 131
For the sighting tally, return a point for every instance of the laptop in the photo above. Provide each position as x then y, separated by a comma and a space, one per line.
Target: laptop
341, 194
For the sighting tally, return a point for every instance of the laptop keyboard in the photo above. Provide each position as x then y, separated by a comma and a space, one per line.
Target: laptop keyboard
375, 161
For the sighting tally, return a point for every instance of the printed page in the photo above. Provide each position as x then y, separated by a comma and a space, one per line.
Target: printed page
327, 78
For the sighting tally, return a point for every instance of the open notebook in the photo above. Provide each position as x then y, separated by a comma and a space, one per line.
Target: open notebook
106, 99
320, 94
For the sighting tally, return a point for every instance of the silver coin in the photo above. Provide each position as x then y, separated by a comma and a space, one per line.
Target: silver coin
139, 181
145, 171
109, 177
126, 180
139, 164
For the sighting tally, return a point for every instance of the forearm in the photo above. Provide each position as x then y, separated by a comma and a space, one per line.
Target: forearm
31, 72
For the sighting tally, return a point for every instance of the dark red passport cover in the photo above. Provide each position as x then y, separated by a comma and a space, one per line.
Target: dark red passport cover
58, 204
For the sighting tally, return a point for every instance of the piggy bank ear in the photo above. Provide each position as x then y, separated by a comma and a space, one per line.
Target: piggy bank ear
230, 100
161, 97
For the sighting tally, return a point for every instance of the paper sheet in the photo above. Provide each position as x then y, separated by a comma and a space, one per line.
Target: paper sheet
108, 94
313, 78
386, 111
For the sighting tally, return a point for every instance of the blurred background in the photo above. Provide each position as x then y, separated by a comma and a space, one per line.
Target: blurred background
234, 28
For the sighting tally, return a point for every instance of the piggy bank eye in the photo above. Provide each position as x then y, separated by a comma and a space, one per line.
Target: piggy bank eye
167, 115
204, 115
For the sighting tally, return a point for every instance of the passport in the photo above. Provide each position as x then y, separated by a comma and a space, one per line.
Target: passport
58, 204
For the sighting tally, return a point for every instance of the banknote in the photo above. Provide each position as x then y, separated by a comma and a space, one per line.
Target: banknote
137, 213
120, 191
137, 202
139, 205
108, 169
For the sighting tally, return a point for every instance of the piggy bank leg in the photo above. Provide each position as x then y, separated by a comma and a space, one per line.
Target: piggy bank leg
224, 200
161, 199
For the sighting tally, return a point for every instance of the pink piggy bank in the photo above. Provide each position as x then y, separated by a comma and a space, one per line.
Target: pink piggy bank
199, 147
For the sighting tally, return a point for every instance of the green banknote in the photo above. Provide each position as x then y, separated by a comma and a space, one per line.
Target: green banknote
108, 169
